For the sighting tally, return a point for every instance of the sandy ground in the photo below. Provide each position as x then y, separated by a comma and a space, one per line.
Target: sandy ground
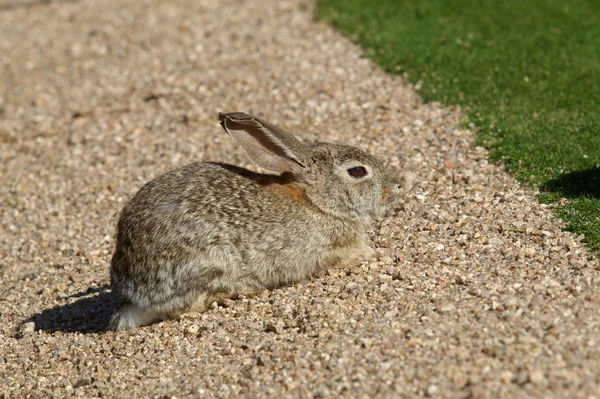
475, 291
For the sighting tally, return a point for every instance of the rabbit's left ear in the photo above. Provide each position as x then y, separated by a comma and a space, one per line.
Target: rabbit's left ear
267, 146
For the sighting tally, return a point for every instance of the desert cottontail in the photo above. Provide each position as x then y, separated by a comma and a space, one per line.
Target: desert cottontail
209, 231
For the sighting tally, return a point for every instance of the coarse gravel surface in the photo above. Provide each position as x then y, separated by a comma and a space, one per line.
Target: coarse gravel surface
475, 290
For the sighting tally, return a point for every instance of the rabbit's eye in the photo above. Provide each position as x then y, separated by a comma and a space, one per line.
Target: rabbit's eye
357, 172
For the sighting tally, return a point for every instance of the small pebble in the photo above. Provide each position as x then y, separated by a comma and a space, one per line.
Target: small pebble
193, 329
432, 390
27, 328
537, 377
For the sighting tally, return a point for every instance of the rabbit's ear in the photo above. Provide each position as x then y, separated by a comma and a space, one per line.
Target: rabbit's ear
267, 146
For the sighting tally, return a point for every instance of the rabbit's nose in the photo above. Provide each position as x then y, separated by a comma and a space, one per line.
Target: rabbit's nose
396, 184
405, 181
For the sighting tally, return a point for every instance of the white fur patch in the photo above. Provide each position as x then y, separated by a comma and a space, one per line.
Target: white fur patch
132, 317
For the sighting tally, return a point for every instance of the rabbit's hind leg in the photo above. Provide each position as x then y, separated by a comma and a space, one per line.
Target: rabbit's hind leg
228, 287
221, 298
200, 305
192, 311
204, 302
131, 316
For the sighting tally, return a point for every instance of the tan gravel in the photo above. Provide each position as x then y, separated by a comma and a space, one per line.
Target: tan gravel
476, 290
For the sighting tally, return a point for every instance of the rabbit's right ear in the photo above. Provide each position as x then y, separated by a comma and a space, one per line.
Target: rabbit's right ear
267, 146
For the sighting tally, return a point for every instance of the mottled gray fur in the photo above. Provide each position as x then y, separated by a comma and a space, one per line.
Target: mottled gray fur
209, 231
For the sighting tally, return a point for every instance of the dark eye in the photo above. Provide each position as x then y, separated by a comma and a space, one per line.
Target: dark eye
357, 172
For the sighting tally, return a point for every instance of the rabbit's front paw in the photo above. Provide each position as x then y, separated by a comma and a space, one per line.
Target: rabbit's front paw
350, 257
359, 255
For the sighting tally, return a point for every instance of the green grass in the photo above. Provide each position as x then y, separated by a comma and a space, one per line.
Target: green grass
527, 74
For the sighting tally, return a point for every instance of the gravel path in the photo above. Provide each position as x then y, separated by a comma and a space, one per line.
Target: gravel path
475, 290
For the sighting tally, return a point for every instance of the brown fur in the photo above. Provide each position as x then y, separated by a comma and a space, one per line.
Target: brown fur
292, 190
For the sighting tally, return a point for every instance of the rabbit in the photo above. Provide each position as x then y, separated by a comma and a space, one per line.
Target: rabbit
207, 231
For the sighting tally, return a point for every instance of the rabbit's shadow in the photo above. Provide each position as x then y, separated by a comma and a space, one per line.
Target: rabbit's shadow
580, 183
89, 314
